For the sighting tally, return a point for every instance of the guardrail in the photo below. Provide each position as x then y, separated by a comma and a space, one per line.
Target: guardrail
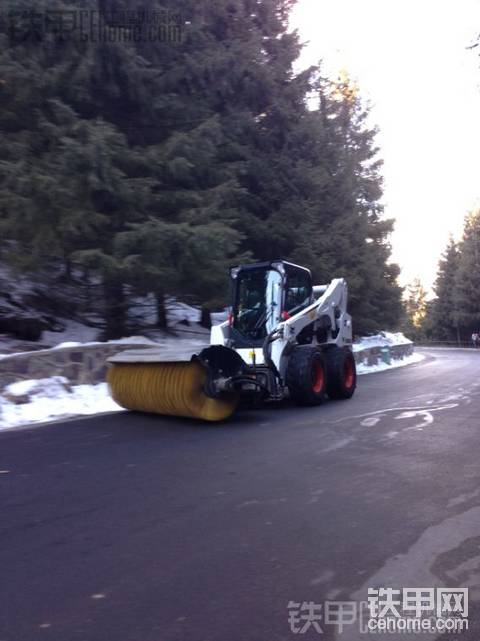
426, 343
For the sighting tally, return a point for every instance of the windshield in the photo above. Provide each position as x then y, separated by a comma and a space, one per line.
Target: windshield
258, 302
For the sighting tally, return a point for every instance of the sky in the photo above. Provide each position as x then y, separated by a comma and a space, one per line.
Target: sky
412, 63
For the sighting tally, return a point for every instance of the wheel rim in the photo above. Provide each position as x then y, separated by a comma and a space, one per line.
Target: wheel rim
318, 377
349, 373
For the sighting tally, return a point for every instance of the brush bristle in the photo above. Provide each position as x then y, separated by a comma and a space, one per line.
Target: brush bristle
174, 389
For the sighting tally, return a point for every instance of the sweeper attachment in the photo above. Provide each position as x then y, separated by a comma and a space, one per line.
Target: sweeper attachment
284, 337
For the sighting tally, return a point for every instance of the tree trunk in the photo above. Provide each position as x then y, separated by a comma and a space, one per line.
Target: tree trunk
115, 308
205, 318
162, 320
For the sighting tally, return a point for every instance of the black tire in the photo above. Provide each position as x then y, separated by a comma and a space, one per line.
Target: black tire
341, 373
306, 375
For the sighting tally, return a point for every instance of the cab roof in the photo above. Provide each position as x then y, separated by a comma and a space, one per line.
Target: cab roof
266, 264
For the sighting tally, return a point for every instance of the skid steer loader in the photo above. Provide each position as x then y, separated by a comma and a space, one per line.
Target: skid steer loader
283, 337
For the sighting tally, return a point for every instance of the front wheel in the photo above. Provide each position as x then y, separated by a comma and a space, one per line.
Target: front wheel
341, 373
306, 376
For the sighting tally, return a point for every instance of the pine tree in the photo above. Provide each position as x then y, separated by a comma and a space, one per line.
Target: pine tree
343, 228
416, 303
69, 182
467, 278
237, 62
443, 318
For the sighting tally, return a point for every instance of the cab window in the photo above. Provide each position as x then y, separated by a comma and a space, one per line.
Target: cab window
258, 301
298, 294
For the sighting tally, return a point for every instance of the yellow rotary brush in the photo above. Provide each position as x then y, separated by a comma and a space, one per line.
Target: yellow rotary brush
170, 388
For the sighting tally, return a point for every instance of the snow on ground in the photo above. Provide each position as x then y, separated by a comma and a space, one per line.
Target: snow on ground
73, 332
383, 339
50, 399
183, 321
129, 340
381, 366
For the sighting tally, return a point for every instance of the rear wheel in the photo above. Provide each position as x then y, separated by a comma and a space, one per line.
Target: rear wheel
341, 373
306, 376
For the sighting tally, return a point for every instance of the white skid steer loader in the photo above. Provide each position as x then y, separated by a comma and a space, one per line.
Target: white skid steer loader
284, 337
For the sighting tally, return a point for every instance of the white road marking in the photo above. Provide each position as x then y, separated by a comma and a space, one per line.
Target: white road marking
370, 421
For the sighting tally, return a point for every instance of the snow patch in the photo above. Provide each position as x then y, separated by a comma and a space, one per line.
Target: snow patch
73, 332
128, 340
46, 387
362, 368
52, 398
383, 339
69, 344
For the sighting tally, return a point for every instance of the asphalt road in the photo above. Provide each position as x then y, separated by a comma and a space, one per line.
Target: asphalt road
138, 528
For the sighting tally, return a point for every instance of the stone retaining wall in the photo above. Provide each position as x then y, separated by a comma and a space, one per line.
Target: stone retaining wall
86, 364
374, 355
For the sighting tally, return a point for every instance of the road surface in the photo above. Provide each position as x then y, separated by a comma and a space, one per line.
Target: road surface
138, 528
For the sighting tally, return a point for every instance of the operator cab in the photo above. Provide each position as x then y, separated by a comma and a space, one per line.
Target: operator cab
264, 294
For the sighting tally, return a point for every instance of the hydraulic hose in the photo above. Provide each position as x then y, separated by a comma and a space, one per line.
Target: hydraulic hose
266, 352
